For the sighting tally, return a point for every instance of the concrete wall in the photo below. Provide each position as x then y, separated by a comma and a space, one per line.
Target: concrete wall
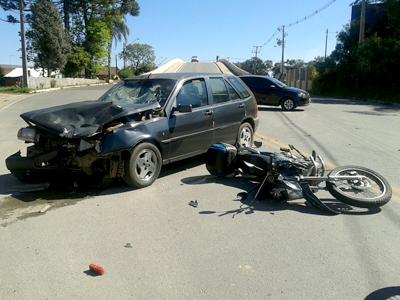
46, 83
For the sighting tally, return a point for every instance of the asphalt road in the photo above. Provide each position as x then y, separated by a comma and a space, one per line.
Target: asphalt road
152, 244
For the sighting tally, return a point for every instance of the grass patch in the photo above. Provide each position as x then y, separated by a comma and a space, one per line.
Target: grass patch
15, 90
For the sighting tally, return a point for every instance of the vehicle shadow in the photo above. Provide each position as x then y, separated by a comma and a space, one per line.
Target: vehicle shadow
72, 188
271, 108
265, 204
377, 106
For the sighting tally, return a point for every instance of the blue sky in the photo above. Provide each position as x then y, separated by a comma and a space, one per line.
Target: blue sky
228, 28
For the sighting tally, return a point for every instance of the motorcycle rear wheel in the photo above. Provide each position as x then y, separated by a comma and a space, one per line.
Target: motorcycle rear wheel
373, 192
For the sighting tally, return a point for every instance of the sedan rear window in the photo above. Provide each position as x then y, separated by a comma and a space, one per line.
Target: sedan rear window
239, 87
140, 91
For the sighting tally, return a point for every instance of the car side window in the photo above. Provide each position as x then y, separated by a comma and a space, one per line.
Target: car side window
267, 83
239, 87
193, 92
219, 91
233, 95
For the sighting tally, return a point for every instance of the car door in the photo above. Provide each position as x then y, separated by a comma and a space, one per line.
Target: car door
270, 91
190, 133
229, 110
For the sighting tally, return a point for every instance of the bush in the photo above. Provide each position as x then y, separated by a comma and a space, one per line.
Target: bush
125, 73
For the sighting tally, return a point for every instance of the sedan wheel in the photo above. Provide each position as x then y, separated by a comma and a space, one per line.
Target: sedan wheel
288, 104
143, 166
245, 135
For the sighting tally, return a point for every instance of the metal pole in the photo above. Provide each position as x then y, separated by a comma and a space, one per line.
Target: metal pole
362, 22
123, 57
283, 50
326, 42
23, 46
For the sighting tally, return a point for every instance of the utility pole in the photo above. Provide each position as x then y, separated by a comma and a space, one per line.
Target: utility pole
362, 22
123, 55
23, 46
255, 51
326, 42
116, 64
283, 50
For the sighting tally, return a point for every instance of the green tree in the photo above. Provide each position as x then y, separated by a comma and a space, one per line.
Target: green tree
140, 57
96, 45
77, 62
48, 43
254, 65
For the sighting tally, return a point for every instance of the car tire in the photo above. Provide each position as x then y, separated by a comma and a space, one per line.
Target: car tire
288, 104
245, 135
143, 166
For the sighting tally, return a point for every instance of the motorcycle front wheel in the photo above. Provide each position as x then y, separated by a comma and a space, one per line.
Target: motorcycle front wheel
373, 191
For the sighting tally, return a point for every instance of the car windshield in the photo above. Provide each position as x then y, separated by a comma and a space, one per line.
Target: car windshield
277, 82
140, 91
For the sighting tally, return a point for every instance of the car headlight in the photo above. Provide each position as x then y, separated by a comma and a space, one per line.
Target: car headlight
302, 95
28, 135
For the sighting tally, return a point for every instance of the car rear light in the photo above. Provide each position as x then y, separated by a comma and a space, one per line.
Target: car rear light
28, 135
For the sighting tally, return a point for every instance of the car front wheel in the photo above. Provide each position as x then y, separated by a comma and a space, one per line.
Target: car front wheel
143, 166
245, 135
288, 104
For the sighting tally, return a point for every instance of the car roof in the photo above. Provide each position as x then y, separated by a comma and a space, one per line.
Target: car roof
178, 76
260, 76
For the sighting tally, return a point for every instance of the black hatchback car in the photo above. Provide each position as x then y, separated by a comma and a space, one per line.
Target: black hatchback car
135, 127
270, 91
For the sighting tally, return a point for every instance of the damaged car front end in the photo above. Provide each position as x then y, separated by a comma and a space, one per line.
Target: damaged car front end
86, 137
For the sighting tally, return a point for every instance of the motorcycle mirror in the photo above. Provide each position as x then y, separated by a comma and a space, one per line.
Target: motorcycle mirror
258, 144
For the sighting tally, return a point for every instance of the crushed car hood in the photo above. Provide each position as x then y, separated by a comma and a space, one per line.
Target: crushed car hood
81, 119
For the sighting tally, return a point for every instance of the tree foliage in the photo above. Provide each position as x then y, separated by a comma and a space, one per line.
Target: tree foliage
372, 65
256, 66
48, 42
140, 57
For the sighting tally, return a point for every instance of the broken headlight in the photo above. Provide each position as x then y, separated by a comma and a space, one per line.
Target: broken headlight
28, 135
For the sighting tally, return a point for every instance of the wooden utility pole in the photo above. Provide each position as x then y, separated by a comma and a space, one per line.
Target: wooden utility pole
23, 46
362, 22
255, 51
283, 49
326, 42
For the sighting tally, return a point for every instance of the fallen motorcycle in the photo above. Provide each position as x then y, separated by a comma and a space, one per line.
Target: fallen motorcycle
289, 175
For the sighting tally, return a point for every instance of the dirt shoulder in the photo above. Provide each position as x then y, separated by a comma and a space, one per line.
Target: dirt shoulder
7, 99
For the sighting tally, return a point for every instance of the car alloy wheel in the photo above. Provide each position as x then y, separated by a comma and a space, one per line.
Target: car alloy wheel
146, 164
288, 104
245, 136
143, 165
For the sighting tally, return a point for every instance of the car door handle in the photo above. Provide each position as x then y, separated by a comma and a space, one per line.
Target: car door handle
241, 105
208, 112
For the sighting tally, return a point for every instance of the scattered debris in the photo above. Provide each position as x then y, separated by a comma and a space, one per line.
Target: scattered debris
96, 269
128, 245
193, 203
44, 208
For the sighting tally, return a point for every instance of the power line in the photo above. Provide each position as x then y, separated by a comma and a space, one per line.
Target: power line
312, 14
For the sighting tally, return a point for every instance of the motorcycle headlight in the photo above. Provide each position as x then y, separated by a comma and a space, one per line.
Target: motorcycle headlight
28, 135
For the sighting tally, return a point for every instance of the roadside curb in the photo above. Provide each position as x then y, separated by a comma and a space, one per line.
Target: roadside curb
67, 87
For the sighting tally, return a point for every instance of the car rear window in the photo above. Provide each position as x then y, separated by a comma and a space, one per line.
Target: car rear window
239, 87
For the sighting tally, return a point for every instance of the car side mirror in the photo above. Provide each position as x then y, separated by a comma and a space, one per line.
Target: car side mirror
184, 108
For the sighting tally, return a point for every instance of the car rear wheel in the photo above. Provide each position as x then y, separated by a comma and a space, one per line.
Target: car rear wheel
143, 166
245, 135
288, 104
